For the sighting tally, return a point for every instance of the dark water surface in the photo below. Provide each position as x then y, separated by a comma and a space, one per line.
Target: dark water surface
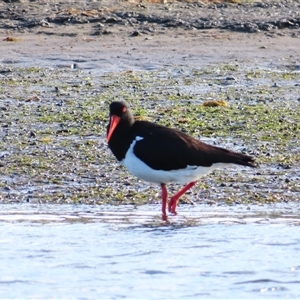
89, 252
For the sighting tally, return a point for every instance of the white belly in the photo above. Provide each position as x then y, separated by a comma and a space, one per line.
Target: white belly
143, 171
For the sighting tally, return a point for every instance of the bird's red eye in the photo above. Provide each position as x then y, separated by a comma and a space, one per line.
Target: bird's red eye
124, 109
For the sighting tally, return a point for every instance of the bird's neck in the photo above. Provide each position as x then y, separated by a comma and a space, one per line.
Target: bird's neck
121, 139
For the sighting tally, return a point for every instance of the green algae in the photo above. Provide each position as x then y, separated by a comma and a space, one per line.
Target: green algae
54, 125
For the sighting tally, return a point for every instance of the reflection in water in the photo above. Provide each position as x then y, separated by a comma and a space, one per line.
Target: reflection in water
68, 251
148, 216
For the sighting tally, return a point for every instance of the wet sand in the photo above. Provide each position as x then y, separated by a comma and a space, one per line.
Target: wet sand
115, 53
131, 35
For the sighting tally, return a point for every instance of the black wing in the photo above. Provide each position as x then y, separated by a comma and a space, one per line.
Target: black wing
167, 149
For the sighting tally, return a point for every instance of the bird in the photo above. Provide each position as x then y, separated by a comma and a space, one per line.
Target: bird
164, 155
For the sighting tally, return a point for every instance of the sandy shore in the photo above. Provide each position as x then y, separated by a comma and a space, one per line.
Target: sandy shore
112, 53
116, 35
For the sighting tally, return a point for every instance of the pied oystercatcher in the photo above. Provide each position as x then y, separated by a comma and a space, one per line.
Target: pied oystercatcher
164, 155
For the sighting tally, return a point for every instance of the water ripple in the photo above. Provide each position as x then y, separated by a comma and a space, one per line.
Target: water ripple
149, 216
88, 252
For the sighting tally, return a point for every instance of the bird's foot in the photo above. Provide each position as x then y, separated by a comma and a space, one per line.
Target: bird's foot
173, 211
164, 217
173, 205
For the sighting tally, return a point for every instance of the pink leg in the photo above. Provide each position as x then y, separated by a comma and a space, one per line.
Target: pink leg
164, 197
174, 200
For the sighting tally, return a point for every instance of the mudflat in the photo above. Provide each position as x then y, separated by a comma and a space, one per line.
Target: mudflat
161, 33
61, 63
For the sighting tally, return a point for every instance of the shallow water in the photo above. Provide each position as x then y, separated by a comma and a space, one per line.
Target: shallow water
82, 252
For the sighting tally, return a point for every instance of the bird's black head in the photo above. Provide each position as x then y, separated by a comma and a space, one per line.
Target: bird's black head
119, 109
119, 113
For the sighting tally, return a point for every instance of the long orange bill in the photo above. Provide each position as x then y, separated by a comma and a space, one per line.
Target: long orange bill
114, 121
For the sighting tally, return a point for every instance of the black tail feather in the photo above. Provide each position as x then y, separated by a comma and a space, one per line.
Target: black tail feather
241, 159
